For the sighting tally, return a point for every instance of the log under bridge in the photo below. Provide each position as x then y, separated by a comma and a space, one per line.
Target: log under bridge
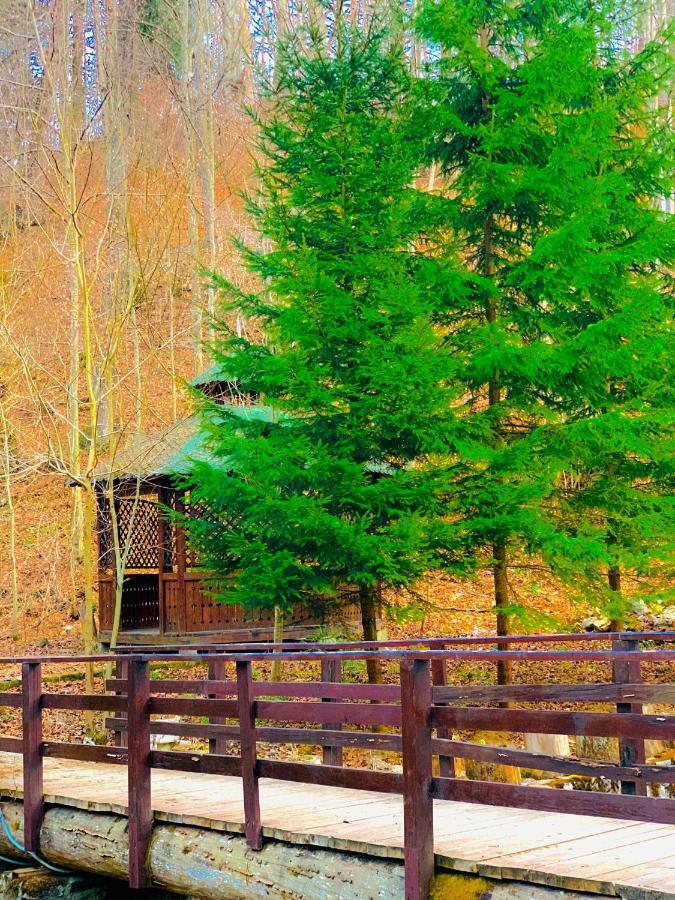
237, 821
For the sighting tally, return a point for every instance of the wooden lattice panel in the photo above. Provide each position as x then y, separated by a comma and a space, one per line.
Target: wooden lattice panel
138, 528
138, 522
196, 511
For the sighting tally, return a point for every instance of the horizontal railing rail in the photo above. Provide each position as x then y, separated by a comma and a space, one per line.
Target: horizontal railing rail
405, 643
427, 722
393, 655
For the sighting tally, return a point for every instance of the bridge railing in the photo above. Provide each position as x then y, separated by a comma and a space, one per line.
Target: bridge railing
419, 716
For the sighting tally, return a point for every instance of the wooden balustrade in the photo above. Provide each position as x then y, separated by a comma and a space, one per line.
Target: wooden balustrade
423, 711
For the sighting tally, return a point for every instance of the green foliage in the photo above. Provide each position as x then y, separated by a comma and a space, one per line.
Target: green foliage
159, 21
403, 614
149, 16
553, 153
483, 369
337, 482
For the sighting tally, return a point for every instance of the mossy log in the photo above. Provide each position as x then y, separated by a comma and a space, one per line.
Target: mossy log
209, 864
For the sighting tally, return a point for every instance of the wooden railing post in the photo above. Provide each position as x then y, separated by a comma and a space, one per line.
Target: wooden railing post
249, 759
216, 672
181, 565
439, 678
631, 750
121, 671
33, 801
418, 814
161, 557
140, 791
331, 671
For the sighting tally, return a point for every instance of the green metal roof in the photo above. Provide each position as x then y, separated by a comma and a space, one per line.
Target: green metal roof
216, 372
169, 450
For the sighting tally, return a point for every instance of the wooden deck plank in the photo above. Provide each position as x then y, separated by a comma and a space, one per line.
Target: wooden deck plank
657, 849
336, 816
656, 877
497, 842
592, 857
538, 847
596, 840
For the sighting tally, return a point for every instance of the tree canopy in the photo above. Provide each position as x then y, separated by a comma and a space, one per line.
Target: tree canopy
553, 154
480, 370
336, 487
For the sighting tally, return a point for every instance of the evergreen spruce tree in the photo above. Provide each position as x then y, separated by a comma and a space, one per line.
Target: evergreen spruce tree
553, 156
616, 436
331, 483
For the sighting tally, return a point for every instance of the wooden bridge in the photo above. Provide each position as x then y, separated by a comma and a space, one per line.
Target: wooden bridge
608, 843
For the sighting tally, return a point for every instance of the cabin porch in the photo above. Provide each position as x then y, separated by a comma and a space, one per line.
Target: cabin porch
165, 609
164, 595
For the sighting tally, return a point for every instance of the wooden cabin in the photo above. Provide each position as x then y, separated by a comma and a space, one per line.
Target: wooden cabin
164, 597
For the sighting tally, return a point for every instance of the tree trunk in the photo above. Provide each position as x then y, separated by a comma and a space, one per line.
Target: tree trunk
11, 519
614, 581
501, 586
188, 110
88, 624
172, 355
370, 607
278, 639
69, 111
499, 565
206, 160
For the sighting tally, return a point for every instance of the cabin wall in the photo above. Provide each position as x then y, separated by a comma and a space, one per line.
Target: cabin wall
163, 591
153, 604
106, 603
204, 613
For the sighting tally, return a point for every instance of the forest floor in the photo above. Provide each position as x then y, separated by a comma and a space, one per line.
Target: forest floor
445, 607
441, 605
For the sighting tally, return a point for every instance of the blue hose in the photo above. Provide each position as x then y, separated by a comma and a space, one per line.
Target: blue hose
13, 841
8, 834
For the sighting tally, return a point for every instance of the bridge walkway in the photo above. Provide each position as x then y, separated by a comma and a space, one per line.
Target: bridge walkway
604, 856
